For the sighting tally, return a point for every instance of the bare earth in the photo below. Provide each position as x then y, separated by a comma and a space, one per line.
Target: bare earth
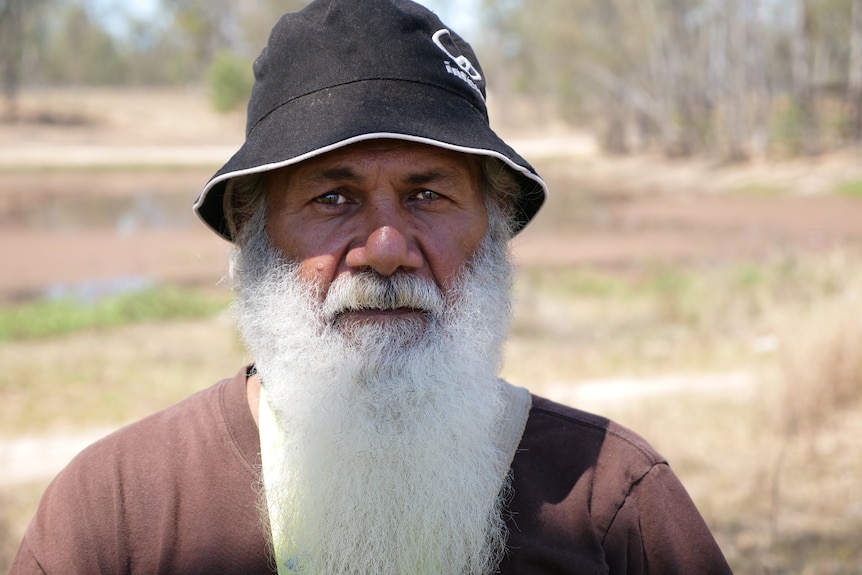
109, 148
636, 230
162, 146
96, 189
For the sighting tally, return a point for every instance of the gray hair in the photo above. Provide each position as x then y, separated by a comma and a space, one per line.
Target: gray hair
244, 205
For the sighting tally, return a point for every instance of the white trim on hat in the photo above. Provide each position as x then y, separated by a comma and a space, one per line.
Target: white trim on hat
355, 139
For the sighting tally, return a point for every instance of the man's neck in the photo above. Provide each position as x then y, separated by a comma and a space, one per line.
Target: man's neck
252, 393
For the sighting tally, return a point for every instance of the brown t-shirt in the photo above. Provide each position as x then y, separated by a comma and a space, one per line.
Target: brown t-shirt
178, 493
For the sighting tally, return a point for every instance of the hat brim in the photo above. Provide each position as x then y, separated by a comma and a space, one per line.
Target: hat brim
329, 119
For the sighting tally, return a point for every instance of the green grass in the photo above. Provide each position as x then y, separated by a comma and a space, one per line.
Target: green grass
573, 324
760, 190
849, 189
668, 317
757, 460
50, 318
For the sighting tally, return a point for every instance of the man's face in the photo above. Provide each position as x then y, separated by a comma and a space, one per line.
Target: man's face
381, 205
388, 462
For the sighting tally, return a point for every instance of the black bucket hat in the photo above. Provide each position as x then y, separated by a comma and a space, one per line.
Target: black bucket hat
342, 71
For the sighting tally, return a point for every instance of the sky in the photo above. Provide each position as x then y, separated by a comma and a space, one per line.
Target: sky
459, 14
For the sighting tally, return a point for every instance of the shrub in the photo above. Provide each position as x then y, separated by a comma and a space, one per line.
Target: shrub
821, 364
229, 81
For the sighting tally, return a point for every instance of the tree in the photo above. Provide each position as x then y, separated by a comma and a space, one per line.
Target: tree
802, 85
11, 12
854, 83
81, 50
229, 81
200, 30
203, 28
257, 18
688, 76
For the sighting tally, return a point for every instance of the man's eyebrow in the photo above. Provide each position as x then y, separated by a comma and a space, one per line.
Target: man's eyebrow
336, 174
429, 177
341, 173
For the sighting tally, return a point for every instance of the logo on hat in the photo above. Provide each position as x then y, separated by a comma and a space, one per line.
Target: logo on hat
467, 71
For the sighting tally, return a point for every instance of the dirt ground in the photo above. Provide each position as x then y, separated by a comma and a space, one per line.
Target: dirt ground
44, 251
96, 189
82, 170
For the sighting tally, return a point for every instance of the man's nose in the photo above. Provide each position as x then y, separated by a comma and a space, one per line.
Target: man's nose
386, 249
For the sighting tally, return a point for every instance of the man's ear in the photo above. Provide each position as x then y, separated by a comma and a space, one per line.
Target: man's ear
241, 197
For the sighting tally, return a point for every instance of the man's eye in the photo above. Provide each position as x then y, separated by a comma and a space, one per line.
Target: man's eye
428, 195
331, 199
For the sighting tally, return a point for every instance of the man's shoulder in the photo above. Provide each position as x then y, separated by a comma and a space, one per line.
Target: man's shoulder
571, 428
587, 491
139, 495
575, 464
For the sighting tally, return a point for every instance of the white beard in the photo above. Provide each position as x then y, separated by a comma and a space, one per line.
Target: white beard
392, 464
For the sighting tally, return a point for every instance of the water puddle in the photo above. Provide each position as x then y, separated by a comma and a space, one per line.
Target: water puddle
124, 214
92, 291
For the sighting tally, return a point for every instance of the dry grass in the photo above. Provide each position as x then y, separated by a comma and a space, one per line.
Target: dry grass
100, 379
776, 506
107, 377
773, 464
121, 116
821, 365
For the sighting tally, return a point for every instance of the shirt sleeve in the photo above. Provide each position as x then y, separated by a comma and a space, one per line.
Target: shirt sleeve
25, 563
658, 530
74, 529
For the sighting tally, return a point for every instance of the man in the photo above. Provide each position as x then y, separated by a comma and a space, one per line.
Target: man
371, 206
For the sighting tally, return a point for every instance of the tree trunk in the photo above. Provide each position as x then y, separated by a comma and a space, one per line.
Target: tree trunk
802, 88
10, 55
757, 72
854, 83
735, 117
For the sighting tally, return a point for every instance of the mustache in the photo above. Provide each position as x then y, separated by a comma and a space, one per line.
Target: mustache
369, 290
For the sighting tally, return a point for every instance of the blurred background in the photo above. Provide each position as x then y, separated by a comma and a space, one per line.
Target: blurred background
695, 275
